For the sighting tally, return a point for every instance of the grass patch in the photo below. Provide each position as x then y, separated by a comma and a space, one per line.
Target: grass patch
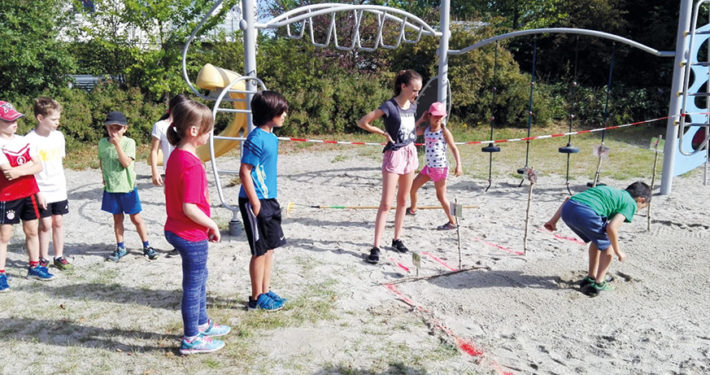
629, 154
629, 157
316, 304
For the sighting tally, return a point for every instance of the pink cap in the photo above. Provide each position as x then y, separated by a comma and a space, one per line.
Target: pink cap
8, 112
437, 109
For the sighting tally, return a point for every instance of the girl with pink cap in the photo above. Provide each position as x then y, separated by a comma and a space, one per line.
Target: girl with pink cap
436, 138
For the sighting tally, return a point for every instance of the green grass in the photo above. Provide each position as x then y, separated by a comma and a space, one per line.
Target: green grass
629, 157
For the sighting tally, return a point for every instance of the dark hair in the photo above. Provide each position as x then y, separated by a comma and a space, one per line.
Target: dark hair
404, 77
186, 114
179, 98
43, 105
639, 189
266, 105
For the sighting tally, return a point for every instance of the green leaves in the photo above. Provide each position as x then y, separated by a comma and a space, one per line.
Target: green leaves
33, 57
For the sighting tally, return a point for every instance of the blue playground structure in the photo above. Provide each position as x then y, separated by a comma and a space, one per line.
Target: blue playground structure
686, 117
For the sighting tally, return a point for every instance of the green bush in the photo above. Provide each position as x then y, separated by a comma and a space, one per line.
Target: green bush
83, 116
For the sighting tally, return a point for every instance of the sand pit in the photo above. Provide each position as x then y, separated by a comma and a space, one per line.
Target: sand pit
504, 313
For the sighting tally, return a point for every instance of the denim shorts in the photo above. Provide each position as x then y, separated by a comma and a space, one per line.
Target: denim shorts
121, 203
586, 223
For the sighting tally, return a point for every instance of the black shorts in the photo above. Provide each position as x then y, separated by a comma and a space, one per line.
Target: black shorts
11, 212
263, 231
55, 208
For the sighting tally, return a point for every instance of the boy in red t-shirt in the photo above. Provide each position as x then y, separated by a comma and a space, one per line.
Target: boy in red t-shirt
18, 193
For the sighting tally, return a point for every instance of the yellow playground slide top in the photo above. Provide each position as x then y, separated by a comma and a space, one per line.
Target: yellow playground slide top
212, 78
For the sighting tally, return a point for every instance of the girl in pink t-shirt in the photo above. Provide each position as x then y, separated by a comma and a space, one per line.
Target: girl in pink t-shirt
189, 226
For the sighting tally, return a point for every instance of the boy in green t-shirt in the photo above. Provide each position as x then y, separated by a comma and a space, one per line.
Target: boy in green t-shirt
595, 215
116, 156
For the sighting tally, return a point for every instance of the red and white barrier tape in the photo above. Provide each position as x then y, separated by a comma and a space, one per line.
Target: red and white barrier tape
482, 142
326, 141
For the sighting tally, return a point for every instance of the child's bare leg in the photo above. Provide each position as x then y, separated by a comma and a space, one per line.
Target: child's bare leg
57, 235
256, 273
605, 259
441, 196
389, 184
5, 236
418, 182
45, 227
593, 260
268, 264
118, 227
140, 226
30, 227
405, 185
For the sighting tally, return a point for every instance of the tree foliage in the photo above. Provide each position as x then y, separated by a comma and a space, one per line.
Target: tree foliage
142, 40
32, 56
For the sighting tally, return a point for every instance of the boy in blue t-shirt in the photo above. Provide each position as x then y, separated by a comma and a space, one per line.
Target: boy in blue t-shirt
595, 215
257, 197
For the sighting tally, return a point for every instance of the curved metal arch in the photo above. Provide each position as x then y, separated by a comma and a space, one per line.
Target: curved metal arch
564, 30
213, 160
307, 12
187, 46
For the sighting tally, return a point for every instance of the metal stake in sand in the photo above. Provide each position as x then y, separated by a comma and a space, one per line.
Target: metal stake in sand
654, 143
457, 212
417, 261
532, 177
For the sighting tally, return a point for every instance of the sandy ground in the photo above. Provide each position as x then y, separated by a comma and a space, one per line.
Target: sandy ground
504, 312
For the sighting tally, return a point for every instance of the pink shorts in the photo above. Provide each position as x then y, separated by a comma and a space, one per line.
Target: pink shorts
402, 161
436, 174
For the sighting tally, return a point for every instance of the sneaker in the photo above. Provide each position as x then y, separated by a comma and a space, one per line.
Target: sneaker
173, 253
119, 253
374, 256
410, 211
276, 297
201, 344
264, 302
589, 281
215, 330
4, 286
39, 273
150, 253
398, 246
62, 263
447, 226
594, 289
44, 262
586, 282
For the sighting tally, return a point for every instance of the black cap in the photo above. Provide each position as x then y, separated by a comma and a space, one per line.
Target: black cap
116, 117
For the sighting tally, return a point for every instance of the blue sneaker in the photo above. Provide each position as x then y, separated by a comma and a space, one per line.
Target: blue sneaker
39, 273
276, 297
215, 330
264, 302
201, 344
150, 253
4, 286
119, 253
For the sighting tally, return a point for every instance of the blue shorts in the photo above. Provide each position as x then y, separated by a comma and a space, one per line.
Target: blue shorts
586, 223
120, 203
